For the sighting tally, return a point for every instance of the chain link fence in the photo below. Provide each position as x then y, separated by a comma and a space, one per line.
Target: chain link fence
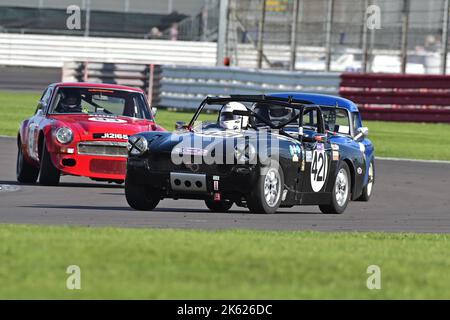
339, 35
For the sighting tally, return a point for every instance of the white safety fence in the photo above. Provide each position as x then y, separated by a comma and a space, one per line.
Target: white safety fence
53, 51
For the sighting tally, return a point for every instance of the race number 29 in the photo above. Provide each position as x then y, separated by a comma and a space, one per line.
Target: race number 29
318, 170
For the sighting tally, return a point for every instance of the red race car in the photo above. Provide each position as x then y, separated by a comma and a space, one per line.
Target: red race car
81, 129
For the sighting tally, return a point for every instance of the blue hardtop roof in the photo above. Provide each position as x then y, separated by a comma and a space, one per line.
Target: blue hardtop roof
319, 99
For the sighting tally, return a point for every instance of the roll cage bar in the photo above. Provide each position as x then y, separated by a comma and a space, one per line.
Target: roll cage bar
301, 105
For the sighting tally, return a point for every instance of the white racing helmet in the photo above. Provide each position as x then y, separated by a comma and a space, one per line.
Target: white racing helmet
231, 121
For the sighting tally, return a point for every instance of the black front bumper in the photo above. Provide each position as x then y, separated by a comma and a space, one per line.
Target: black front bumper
200, 182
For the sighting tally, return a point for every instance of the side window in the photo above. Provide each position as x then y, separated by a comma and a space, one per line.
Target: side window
337, 120
342, 124
310, 119
45, 99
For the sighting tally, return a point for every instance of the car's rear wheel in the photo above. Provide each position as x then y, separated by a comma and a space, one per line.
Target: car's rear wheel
367, 190
141, 197
340, 195
219, 206
49, 175
267, 194
25, 172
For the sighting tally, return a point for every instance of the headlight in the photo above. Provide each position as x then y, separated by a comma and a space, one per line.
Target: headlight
137, 145
64, 135
244, 152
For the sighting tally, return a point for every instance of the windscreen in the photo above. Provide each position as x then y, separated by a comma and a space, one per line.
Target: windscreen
101, 102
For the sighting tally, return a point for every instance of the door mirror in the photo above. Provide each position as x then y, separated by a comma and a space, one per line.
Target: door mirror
179, 125
361, 132
154, 111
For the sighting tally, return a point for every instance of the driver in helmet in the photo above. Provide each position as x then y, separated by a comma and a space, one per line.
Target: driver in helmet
230, 121
70, 102
280, 114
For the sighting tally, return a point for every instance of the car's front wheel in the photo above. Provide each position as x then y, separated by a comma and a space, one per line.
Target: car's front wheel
141, 197
219, 206
340, 195
25, 172
267, 194
49, 175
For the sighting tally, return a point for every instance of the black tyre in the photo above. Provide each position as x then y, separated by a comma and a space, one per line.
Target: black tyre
267, 194
25, 172
48, 174
368, 189
219, 206
340, 195
141, 197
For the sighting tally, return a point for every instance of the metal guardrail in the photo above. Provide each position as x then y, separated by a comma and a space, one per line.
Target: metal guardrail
185, 87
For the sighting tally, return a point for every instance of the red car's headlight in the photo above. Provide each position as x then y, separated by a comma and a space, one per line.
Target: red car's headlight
64, 135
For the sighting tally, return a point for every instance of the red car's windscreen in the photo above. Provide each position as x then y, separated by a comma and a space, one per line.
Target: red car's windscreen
100, 101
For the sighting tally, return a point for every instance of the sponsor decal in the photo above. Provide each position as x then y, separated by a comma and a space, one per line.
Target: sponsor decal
216, 185
283, 197
194, 151
110, 136
334, 147
362, 147
106, 119
320, 147
308, 156
335, 155
217, 196
294, 149
359, 170
216, 178
295, 158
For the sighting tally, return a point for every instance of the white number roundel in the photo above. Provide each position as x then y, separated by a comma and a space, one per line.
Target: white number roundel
319, 172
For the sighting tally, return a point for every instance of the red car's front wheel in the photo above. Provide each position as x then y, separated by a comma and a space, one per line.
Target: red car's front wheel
48, 174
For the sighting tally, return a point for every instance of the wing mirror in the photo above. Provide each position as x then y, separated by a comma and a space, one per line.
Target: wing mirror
180, 125
154, 111
361, 132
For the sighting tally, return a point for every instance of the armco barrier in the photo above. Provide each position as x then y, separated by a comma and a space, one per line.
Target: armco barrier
394, 97
185, 87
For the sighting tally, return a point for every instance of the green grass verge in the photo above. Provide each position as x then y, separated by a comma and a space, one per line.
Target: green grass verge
180, 264
391, 139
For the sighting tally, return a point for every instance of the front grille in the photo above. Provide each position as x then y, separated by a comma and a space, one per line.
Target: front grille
103, 148
108, 166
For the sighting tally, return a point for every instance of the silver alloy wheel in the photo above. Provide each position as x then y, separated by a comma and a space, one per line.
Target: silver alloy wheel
370, 183
272, 187
341, 187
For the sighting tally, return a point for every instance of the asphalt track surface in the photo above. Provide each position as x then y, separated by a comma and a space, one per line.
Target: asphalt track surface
408, 196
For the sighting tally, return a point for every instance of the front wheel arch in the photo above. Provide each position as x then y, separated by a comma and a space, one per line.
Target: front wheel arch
352, 169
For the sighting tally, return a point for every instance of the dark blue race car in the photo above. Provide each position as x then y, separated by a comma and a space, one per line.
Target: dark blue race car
259, 152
